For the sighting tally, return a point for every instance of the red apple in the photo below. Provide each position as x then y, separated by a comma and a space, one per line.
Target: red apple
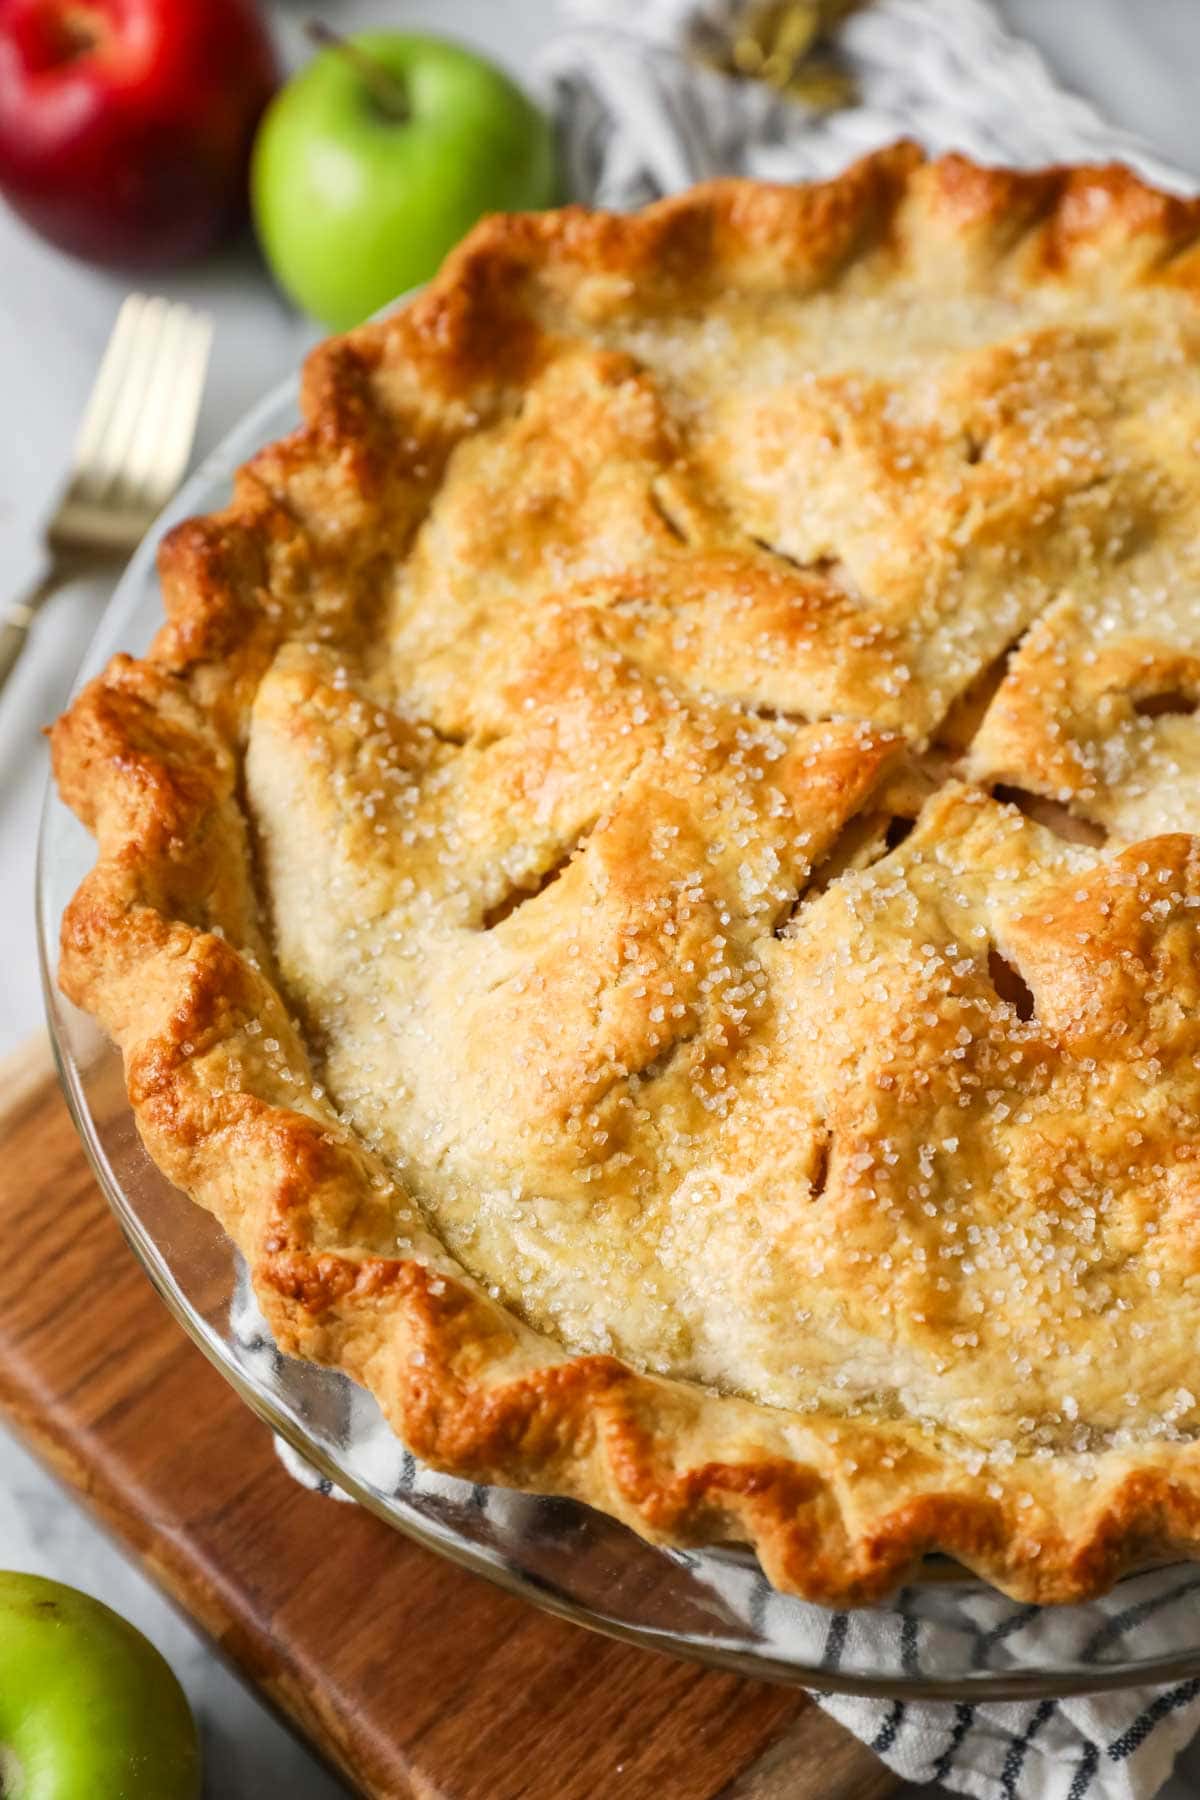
125, 125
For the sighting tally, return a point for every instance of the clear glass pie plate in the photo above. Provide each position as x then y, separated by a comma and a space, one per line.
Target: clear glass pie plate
946, 1635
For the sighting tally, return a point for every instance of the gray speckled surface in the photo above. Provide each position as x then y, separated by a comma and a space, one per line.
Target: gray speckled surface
1139, 59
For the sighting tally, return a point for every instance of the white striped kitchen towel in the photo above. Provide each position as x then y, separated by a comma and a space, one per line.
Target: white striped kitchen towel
638, 119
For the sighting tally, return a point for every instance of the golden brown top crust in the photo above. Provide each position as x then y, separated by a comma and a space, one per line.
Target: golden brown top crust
650, 877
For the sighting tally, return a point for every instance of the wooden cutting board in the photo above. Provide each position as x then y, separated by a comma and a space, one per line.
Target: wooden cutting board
408, 1675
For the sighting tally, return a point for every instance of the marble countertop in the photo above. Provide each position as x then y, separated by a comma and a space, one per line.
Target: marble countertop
1140, 63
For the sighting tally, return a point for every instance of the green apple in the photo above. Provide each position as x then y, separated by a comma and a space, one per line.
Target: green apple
88, 1708
376, 158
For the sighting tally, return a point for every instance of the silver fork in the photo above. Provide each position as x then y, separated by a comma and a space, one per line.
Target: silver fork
133, 445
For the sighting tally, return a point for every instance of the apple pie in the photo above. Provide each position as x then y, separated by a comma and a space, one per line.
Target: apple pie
651, 877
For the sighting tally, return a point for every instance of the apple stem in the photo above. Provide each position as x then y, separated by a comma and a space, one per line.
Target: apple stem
385, 88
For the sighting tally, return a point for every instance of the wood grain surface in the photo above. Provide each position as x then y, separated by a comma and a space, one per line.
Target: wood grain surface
410, 1676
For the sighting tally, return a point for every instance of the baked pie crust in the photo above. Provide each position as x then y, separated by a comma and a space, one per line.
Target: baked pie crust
650, 877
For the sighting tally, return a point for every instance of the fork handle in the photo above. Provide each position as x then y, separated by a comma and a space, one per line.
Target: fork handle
19, 615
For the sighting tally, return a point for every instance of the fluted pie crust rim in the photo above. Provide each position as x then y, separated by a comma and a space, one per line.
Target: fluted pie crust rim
838, 1509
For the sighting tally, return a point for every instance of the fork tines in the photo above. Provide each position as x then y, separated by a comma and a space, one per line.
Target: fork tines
138, 427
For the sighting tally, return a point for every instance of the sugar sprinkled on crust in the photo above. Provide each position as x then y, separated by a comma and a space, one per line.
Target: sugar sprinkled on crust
649, 878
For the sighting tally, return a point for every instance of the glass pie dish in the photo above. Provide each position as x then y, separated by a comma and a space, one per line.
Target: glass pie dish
946, 1635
